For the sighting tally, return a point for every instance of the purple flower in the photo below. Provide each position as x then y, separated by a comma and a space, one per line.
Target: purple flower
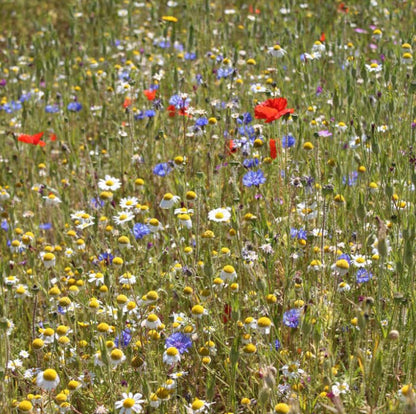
325, 133
180, 341
140, 230
291, 318
124, 339
254, 178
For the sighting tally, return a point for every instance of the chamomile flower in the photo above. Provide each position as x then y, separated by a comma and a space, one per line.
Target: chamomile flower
97, 278
52, 199
276, 51
154, 225
131, 403
185, 220
264, 325
341, 266
127, 279
152, 322
109, 183
228, 273
47, 380
374, 67
168, 201
198, 406
220, 215
171, 356
360, 261
123, 217
128, 203
116, 357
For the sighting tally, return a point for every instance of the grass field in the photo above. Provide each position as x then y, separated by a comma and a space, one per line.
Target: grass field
207, 207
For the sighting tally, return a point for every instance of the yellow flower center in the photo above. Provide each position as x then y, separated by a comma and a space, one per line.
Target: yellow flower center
219, 215
168, 196
50, 375
342, 264
48, 257
264, 322
109, 183
116, 354
197, 404
197, 310
128, 403
123, 216
228, 269
172, 351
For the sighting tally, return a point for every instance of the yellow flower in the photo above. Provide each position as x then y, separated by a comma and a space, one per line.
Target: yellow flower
169, 19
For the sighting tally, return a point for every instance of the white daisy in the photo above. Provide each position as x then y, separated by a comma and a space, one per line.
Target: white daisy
47, 380
168, 201
109, 183
130, 403
220, 215
123, 217
128, 203
171, 356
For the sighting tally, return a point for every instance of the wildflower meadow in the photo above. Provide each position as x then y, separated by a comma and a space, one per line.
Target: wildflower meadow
207, 206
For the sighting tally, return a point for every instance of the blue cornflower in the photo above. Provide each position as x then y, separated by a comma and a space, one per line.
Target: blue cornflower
4, 225
254, 178
247, 131
288, 141
162, 169
299, 234
202, 121
291, 318
106, 258
124, 339
11, 107
74, 107
140, 230
250, 162
51, 109
150, 113
351, 179
178, 102
96, 203
25, 97
198, 79
224, 72
245, 119
180, 341
363, 275
140, 115
45, 226
277, 344
190, 56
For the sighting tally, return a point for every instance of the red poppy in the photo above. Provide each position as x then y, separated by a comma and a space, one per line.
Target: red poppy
322, 38
343, 8
127, 102
273, 151
150, 94
172, 111
227, 313
272, 109
32, 139
232, 147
